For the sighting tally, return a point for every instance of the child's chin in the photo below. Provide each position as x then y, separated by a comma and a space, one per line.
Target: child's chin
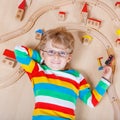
55, 68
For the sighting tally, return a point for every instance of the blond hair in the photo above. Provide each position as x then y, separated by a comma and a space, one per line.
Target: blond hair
60, 38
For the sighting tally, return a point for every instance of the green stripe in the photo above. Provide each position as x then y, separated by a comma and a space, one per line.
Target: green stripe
55, 94
76, 73
103, 85
20, 54
73, 72
45, 67
85, 98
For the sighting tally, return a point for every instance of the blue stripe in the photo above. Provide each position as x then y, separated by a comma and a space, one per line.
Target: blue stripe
25, 60
84, 92
48, 118
55, 88
36, 56
100, 90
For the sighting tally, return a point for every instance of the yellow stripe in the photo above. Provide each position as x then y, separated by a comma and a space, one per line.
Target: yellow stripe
30, 51
97, 95
29, 68
84, 86
55, 81
52, 113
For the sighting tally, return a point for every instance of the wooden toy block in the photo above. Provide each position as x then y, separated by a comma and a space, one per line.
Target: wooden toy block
100, 63
9, 62
94, 23
61, 15
21, 10
9, 59
84, 13
39, 34
109, 60
20, 14
117, 4
86, 39
85, 8
9, 53
117, 32
118, 42
110, 52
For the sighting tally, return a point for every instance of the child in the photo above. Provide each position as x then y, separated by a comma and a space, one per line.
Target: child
57, 87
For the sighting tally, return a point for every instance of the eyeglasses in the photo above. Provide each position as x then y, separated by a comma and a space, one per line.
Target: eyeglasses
53, 52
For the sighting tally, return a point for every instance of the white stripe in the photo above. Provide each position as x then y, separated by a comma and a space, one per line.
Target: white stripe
20, 48
89, 102
66, 75
55, 101
105, 81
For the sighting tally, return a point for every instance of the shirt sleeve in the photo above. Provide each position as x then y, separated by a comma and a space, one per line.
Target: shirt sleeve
27, 57
92, 97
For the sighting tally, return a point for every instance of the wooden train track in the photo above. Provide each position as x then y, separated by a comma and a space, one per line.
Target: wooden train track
54, 5
115, 101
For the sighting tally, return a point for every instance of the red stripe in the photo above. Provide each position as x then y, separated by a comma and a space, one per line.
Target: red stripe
42, 73
35, 70
94, 100
63, 79
38, 73
25, 48
54, 107
83, 82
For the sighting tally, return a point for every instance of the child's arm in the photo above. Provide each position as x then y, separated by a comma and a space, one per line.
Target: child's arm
27, 57
92, 98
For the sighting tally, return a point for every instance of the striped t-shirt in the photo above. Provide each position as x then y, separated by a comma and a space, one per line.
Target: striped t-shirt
56, 92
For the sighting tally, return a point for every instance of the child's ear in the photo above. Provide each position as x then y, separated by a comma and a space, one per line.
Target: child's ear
69, 58
42, 54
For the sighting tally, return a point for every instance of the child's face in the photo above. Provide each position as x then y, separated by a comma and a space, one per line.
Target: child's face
55, 58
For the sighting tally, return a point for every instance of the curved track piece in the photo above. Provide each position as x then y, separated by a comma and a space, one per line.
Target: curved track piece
12, 79
31, 21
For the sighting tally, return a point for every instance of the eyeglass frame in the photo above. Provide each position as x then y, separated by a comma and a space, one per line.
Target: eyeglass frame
53, 52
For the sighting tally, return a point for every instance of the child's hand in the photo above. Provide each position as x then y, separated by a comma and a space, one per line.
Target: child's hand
107, 71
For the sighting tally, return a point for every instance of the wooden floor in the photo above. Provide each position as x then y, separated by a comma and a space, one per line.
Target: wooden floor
16, 96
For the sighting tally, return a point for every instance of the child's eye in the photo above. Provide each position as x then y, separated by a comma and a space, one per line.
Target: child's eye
62, 54
51, 52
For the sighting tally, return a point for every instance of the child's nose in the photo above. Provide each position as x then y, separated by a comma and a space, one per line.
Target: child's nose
56, 55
